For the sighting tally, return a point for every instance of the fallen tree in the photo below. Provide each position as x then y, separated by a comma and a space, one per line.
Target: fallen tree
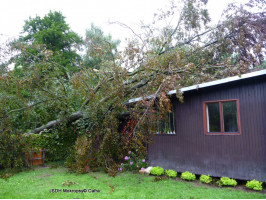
40, 97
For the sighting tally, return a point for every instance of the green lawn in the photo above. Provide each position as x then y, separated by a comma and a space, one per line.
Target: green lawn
38, 184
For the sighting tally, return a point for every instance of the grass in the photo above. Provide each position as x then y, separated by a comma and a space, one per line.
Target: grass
38, 184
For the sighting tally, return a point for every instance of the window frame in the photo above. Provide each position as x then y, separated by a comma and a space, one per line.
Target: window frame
221, 118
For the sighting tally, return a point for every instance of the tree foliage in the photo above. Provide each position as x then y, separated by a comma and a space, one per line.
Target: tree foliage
99, 48
94, 100
50, 35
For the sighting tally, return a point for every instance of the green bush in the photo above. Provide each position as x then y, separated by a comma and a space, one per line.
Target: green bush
158, 171
133, 161
188, 176
227, 181
171, 173
205, 179
255, 185
12, 150
58, 142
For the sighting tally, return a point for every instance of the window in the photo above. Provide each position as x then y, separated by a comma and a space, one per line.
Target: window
166, 124
221, 117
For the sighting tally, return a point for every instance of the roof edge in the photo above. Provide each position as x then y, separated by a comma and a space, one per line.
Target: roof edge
220, 81
208, 84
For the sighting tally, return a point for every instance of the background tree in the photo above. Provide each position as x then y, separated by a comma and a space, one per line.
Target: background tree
98, 48
46, 59
48, 35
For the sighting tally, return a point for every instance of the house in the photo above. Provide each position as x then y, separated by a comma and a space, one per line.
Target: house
219, 130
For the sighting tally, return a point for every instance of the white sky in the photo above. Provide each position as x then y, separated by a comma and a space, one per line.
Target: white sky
81, 13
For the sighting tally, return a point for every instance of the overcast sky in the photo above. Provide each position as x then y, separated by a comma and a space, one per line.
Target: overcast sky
81, 13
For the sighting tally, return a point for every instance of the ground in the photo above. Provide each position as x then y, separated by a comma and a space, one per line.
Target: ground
45, 182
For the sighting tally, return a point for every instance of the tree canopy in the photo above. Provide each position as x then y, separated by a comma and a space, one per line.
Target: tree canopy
48, 35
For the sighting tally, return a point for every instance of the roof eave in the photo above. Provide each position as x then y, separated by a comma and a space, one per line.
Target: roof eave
208, 84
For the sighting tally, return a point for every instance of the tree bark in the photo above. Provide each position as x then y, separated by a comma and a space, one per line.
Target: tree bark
73, 117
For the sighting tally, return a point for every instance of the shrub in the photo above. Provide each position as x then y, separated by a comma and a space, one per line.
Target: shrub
188, 176
171, 173
205, 179
158, 171
133, 162
227, 181
13, 147
255, 185
58, 142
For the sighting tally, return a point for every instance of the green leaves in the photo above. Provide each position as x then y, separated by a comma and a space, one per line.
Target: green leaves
205, 179
12, 150
227, 182
158, 171
255, 185
188, 176
54, 34
171, 173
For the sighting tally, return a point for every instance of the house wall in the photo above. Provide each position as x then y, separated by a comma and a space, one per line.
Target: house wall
236, 156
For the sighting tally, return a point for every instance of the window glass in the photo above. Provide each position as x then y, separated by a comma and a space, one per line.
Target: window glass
165, 124
213, 117
230, 116
172, 121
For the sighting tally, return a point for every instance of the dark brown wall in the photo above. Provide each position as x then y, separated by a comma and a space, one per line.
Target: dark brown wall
236, 156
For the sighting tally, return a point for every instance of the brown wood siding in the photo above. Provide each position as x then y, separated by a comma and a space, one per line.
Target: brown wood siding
237, 156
